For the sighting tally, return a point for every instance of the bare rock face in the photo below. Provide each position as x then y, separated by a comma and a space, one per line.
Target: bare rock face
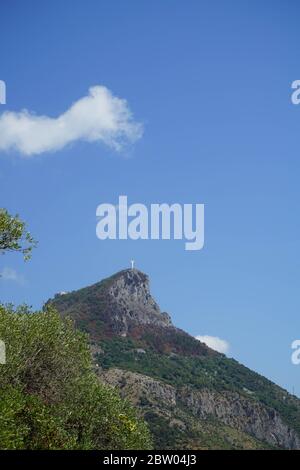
113, 306
241, 413
135, 385
132, 302
229, 408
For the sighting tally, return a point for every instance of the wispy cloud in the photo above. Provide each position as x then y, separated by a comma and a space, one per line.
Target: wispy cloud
98, 117
9, 274
214, 342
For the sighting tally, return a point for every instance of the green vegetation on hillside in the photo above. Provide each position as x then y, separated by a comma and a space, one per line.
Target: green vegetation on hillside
198, 434
215, 372
50, 398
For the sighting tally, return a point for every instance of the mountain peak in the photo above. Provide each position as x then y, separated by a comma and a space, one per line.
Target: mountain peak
130, 295
133, 274
114, 305
175, 378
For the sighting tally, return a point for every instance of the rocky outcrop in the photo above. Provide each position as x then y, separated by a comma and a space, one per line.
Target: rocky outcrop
241, 413
134, 385
113, 306
229, 408
132, 302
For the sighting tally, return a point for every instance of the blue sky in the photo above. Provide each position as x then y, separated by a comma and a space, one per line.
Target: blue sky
211, 83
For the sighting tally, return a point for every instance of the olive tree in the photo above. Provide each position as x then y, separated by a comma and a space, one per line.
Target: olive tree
50, 396
14, 235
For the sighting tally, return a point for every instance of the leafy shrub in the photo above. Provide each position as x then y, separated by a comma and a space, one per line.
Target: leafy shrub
50, 397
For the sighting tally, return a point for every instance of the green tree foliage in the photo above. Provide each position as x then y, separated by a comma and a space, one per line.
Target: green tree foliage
14, 235
50, 397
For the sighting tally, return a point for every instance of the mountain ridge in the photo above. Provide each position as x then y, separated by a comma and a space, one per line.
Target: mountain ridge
129, 333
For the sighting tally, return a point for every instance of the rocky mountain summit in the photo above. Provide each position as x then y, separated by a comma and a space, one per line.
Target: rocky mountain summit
191, 396
115, 305
132, 302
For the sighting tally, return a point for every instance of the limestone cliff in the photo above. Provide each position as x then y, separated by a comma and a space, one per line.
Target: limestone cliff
231, 409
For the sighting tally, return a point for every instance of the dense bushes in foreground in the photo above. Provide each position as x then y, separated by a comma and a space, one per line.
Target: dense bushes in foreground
50, 397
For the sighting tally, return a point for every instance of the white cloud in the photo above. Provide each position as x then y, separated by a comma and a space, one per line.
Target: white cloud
9, 274
214, 342
98, 117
